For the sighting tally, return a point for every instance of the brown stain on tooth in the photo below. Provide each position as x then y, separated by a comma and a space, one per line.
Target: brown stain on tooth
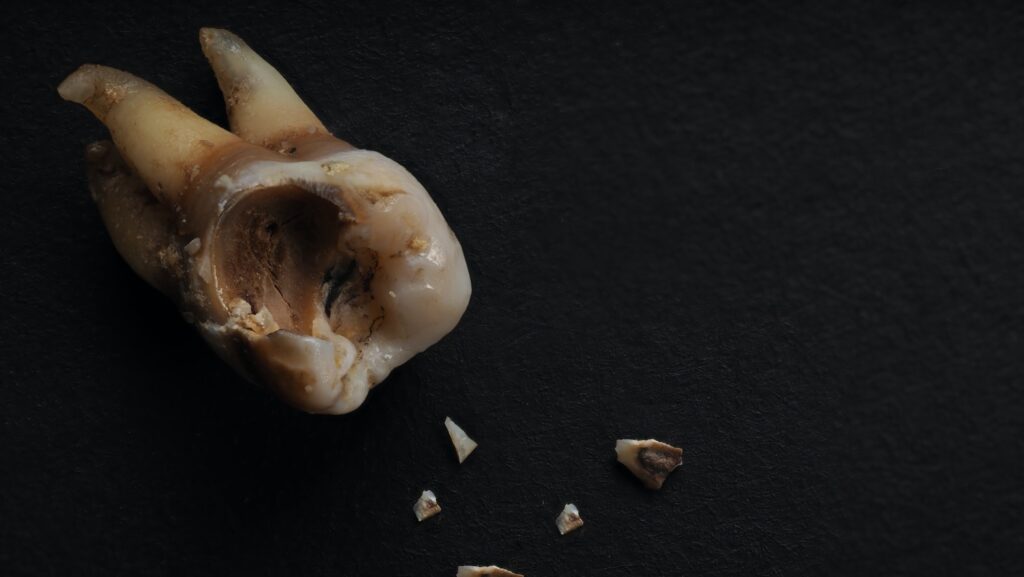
651, 461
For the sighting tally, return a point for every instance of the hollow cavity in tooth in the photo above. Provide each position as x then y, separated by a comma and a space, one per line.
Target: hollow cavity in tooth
490, 571
569, 519
426, 507
651, 461
463, 444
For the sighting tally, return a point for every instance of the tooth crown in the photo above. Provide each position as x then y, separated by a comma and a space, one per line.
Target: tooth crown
311, 267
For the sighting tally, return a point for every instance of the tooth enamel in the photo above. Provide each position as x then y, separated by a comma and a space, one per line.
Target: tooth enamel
569, 519
194, 246
345, 259
464, 446
426, 506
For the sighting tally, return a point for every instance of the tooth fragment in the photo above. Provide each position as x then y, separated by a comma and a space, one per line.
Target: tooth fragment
651, 461
266, 238
194, 246
426, 507
569, 519
463, 444
473, 571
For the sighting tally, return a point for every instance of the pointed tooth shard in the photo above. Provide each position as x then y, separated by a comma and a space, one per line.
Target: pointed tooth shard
463, 444
426, 507
490, 571
569, 519
651, 461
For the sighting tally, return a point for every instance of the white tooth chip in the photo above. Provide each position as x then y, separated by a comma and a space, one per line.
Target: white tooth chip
569, 519
651, 461
463, 444
426, 507
490, 571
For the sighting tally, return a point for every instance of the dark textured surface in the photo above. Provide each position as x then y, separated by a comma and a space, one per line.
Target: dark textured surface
785, 236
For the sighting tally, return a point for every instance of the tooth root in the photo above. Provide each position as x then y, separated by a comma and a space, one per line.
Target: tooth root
140, 228
157, 135
262, 107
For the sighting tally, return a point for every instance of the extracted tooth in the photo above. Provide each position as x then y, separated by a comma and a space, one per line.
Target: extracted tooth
569, 519
651, 461
492, 571
463, 444
295, 267
426, 507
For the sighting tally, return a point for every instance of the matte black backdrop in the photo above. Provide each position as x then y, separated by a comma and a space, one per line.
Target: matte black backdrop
785, 236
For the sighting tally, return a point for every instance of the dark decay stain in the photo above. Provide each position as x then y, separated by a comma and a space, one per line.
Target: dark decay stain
660, 462
336, 278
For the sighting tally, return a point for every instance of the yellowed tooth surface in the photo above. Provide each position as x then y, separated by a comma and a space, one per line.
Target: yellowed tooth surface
141, 228
313, 273
464, 446
262, 107
569, 519
157, 135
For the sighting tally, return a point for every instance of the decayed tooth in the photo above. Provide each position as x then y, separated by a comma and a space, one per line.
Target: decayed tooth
156, 134
569, 519
493, 571
426, 506
295, 267
651, 461
463, 444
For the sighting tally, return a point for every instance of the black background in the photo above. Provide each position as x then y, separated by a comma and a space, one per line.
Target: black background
784, 236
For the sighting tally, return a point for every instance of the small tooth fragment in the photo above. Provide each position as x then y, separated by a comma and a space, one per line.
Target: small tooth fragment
651, 461
473, 571
463, 444
569, 519
194, 246
426, 507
